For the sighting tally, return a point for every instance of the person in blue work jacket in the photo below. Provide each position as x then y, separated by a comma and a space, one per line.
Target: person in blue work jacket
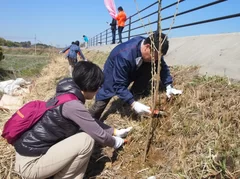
130, 62
73, 50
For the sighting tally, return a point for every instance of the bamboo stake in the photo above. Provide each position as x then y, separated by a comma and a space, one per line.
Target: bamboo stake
156, 77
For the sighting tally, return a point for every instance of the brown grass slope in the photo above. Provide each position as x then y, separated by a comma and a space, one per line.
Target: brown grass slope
199, 137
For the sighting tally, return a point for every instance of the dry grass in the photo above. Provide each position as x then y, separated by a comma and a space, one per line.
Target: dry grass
6, 152
44, 87
96, 56
29, 51
199, 138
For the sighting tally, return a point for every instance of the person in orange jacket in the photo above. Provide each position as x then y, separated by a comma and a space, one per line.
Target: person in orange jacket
121, 19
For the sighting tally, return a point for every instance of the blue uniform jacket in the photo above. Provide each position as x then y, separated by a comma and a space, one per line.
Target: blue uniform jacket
120, 70
73, 51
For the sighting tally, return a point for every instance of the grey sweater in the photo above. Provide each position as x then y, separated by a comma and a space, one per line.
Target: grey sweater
100, 132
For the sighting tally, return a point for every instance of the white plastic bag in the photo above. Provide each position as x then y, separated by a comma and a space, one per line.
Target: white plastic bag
12, 87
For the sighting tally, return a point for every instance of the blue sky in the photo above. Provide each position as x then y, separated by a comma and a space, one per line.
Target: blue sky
60, 22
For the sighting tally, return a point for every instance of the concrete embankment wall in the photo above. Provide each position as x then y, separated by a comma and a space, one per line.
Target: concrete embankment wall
216, 54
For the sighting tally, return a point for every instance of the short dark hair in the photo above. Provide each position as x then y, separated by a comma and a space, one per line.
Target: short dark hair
76, 43
88, 76
155, 38
120, 8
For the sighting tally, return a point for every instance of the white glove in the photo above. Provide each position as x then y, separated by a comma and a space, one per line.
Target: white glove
60, 52
85, 59
141, 108
122, 132
118, 142
170, 90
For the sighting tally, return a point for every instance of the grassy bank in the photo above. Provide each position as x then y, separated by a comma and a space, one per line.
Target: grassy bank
29, 51
24, 66
23, 62
199, 137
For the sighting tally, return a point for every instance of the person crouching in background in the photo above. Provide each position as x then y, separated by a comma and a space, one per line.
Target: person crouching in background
73, 50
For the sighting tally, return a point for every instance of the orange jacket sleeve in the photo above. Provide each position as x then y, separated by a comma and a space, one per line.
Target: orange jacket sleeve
121, 18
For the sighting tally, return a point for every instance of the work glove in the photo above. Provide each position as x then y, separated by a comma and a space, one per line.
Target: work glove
122, 132
118, 142
141, 108
170, 90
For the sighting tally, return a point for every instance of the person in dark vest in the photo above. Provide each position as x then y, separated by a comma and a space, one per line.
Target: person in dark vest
60, 144
131, 62
113, 25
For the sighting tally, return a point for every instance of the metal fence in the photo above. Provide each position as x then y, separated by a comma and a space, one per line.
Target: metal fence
105, 37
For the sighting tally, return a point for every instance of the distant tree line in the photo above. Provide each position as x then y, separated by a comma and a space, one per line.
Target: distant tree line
42, 45
9, 43
26, 44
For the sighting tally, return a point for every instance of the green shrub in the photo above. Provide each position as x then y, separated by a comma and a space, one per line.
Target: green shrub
1, 54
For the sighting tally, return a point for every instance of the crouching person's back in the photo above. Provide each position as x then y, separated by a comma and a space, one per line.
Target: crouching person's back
56, 145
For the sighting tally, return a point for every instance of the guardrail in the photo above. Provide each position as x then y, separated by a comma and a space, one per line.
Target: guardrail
105, 37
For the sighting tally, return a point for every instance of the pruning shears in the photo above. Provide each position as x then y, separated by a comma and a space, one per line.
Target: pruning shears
158, 113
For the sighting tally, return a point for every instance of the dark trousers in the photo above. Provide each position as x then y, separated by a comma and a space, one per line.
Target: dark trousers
113, 35
139, 87
120, 29
98, 107
143, 77
72, 61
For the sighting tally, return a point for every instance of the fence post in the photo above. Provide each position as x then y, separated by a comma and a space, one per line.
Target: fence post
101, 38
96, 40
129, 28
106, 36
159, 16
